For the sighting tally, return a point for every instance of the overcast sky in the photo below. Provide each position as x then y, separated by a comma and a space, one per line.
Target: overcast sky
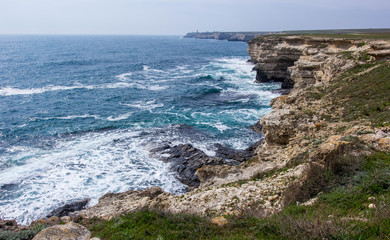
176, 17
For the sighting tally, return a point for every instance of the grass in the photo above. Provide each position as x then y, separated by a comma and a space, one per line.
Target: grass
365, 96
371, 36
27, 234
368, 96
340, 213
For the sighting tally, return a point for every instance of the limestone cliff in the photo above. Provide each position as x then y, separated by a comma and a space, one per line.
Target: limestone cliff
307, 129
302, 61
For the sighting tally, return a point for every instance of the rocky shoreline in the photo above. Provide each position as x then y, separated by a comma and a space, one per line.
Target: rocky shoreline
301, 132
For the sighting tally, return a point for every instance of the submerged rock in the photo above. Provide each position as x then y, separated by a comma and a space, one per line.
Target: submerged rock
68, 208
186, 160
232, 154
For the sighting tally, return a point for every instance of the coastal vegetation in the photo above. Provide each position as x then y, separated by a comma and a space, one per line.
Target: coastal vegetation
337, 131
341, 212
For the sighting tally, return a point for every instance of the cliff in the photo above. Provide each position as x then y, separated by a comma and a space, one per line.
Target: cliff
303, 128
302, 61
318, 139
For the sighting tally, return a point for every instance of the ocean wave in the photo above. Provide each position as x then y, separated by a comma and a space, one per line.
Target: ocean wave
82, 166
119, 117
10, 91
69, 117
147, 105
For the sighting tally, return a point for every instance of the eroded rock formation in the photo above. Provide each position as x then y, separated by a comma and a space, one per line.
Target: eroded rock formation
300, 61
298, 135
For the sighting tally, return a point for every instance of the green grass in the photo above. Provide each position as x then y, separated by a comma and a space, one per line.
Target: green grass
365, 96
27, 234
371, 36
350, 181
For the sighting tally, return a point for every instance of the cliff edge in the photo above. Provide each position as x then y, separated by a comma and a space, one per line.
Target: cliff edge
304, 130
326, 144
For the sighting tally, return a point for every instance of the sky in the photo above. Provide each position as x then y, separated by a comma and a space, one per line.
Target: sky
177, 17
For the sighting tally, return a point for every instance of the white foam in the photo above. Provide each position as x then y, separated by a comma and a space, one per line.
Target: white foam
147, 105
82, 166
120, 117
10, 91
69, 117
124, 76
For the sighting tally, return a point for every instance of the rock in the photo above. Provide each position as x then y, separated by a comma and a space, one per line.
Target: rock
75, 216
371, 206
300, 61
257, 127
371, 199
52, 221
152, 192
252, 148
69, 231
66, 219
278, 127
287, 83
232, 154
8, 225
186, 160
68, 208
273, 198
38, 222
220, 221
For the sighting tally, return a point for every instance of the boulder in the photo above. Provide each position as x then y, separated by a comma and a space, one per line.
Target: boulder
231, 154
69, 231
186, 160
68, 208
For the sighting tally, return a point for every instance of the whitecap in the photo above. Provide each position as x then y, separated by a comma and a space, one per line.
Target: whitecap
120, 117
124, 76
148, 105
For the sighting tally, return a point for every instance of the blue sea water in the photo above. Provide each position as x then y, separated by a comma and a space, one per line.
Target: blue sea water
79, 114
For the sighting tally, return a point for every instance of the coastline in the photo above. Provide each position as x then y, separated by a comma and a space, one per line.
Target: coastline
301, 134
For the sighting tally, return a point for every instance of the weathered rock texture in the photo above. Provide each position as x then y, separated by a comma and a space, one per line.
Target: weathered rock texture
298, 135
298, 61
69, 231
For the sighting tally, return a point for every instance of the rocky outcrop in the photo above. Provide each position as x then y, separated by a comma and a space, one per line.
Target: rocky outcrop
70, 231
185, 160
298, 133
300, 61
69, 208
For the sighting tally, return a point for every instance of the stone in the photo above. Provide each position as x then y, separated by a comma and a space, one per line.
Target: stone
68, 208
69, 231
52, 220
65, 219
227, 153
186, 160
371, 206
8, 225
273, 198
220, 221
278, 128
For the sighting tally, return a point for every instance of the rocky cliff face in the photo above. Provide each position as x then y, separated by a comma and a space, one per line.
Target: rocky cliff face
303, 130
299, 61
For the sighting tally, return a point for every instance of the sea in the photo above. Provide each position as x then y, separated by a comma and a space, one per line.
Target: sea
79, 114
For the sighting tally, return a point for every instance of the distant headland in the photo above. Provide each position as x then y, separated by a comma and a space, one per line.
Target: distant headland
247, 36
